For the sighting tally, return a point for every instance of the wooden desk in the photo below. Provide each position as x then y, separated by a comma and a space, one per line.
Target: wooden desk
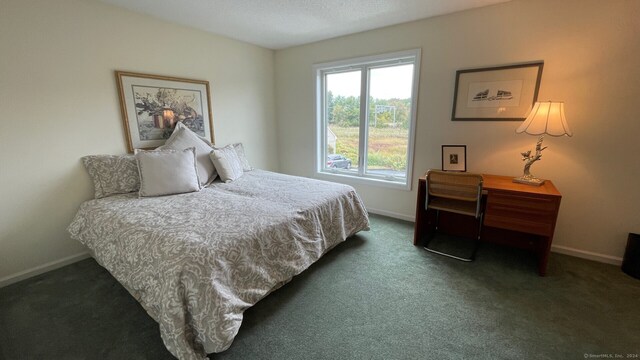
515, 214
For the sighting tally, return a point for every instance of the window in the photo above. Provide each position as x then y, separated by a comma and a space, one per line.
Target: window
366, 111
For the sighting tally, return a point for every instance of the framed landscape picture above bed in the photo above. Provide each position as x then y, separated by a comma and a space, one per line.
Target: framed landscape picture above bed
496, 93
152, 105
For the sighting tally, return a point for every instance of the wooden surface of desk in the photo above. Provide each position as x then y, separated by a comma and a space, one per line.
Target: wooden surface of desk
515, 214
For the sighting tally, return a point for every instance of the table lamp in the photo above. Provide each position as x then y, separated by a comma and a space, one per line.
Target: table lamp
546, 117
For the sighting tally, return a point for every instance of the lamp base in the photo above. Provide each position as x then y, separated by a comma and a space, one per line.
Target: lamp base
529, 180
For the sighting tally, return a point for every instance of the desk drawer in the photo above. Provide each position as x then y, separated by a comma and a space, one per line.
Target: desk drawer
521, 212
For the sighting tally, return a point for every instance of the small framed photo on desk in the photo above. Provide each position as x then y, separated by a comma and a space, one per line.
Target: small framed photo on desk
454, 158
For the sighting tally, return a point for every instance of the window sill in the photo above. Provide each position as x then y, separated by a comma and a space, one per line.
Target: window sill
343, 176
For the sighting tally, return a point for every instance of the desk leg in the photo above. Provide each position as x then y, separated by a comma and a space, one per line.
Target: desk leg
543, 254
421, 215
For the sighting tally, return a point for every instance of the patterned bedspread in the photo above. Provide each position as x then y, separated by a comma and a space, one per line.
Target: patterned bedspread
197, 261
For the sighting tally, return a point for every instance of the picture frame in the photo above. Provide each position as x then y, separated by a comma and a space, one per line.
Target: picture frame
151, 106
501, 93
454, 158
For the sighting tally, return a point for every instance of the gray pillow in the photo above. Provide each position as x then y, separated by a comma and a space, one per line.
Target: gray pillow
183, 138
243, 159
166, 172
112, 174
227, 163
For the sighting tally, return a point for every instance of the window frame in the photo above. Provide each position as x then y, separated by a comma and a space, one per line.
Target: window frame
364, 64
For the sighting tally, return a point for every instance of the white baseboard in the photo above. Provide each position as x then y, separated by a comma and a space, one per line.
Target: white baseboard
14, 278
391, 214
607, 259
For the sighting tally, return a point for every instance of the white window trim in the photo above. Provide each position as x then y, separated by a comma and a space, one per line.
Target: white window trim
382, 59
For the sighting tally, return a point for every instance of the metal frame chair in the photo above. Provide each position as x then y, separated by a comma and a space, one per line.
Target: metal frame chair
459, 193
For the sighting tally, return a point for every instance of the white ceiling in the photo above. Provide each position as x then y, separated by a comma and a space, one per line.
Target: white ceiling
277, 24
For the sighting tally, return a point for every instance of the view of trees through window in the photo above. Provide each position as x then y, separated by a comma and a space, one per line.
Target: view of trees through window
388, 119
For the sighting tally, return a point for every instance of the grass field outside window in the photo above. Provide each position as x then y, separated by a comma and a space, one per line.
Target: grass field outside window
387, 147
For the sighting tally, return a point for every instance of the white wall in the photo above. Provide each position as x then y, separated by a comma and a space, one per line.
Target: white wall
59, 102
591, 51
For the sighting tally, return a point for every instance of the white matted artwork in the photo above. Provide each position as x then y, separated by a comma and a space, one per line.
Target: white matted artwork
497, 93
152, 105
454, 158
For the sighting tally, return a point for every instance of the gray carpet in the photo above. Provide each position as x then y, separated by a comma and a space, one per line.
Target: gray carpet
375, 296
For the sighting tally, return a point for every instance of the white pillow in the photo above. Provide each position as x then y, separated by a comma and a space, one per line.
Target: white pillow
166, 172
183, 138
181, 125
243, 158
227, 163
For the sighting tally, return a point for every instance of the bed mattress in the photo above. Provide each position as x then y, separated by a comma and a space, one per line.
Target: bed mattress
197, 261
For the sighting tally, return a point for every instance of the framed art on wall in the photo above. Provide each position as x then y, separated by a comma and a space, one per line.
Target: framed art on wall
454, 158
496, 93
151, 105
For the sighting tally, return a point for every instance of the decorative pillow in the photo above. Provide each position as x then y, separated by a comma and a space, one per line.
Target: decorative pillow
243, 159
166, 172
227, 163
181, 125
112, 174
183, 138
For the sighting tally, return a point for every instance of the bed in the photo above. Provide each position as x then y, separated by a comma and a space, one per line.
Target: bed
197, 261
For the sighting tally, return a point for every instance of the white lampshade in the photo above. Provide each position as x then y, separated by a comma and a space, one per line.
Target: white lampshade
546, 117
